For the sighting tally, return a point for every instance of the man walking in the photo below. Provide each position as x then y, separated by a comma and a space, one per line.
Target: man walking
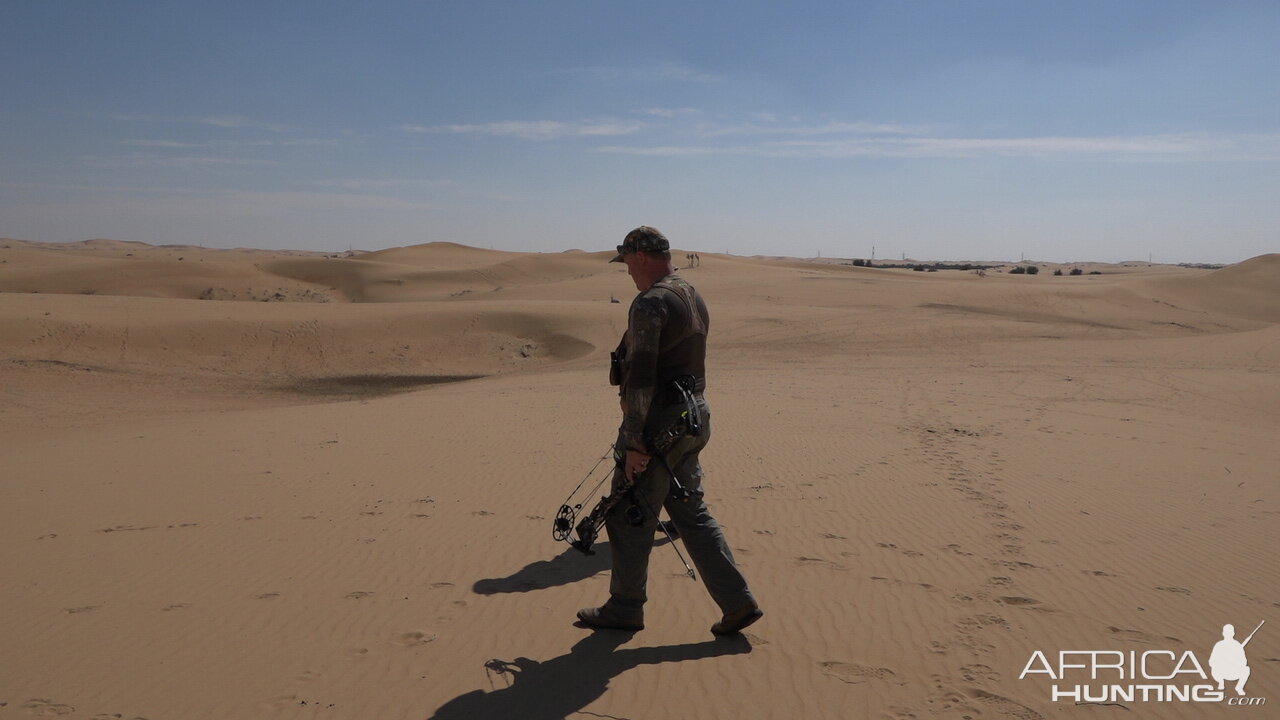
660, 368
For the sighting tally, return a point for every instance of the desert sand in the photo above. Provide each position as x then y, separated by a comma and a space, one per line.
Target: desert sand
252, 484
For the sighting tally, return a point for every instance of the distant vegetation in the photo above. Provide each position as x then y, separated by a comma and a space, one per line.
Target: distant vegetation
981, 268
922, 267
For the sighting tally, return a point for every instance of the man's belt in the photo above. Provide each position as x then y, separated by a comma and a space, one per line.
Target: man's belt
676, 390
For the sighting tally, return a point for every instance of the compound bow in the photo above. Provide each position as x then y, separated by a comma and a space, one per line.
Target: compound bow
566, 523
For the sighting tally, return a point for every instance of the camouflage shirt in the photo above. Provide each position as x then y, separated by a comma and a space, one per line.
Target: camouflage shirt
666, 339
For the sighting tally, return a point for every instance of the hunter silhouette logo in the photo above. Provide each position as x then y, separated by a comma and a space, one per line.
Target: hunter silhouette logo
1115, 676
1228, 661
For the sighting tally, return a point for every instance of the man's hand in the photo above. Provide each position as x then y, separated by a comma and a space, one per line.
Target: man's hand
637, 462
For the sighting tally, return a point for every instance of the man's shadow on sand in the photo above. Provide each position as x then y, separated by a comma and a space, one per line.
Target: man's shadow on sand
559, 687
569, 566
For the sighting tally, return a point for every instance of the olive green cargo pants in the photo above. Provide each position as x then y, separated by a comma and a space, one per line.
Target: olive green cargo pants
631, 544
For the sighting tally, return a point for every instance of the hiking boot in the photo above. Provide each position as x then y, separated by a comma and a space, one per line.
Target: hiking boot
733, 622
607, 618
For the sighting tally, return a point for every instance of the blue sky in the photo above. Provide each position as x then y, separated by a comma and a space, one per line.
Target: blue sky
940, 130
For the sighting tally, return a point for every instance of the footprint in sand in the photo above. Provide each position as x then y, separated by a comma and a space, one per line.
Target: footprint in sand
281, 702
908, 553
1015, 564
358, 594
41, 707
805, 560
853, 673
1003, 706
979, 622
1015, 600
979, 672
414, 639
1140, 636
82, 609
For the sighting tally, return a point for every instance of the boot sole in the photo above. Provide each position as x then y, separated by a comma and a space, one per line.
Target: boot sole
599, 625
721, 628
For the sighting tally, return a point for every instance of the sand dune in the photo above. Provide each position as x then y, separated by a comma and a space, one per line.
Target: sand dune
228, 509
1249, 289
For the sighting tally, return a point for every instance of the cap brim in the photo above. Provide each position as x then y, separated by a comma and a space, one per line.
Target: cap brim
617, 258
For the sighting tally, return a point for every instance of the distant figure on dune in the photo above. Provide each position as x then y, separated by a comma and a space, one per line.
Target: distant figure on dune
660, 368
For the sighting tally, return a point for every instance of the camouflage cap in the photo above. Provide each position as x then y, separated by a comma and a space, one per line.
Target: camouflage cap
642, 239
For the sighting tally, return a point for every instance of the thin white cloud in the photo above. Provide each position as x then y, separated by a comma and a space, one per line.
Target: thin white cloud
1150, 147
186, 161
383, 183
684, 73
829, 128
535, 129
228, 121
220, 121
976, 147
672, 150
176, 199
232, 144
291, 200
670, 113
159, 143
658, 73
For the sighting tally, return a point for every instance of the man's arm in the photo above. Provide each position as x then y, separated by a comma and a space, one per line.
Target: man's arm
648, 315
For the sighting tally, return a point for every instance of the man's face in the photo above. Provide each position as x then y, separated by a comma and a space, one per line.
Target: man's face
636, 264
